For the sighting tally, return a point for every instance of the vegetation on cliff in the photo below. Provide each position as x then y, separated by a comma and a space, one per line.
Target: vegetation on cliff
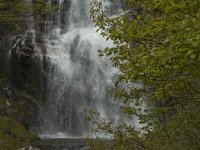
157, 53
14, 14
18, 111
13, 135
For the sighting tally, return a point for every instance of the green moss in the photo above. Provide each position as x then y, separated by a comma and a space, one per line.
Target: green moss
21, 111
13, 135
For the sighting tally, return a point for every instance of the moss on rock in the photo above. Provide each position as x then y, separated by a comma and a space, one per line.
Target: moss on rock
13, 135
18, 115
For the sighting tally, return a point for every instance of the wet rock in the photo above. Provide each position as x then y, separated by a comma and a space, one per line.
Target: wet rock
9, 93
26, 65
60, 144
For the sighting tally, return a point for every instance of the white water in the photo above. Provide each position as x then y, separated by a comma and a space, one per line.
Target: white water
77, 77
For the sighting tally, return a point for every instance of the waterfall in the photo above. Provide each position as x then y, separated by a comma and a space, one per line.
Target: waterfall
77, 78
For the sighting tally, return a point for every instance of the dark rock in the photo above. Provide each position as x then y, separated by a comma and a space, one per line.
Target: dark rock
26, 66
9, 93
60, 144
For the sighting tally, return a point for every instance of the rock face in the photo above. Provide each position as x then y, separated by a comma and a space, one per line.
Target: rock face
22, 76
26, 65
59, 144
22, 93
5, 46
20, 82
28, 62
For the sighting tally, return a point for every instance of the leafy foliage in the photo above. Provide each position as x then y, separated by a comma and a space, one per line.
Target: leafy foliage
157, 53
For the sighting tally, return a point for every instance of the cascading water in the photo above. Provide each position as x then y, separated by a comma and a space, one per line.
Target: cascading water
77, 77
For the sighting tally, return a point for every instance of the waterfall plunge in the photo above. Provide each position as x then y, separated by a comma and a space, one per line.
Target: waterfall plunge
78, 78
